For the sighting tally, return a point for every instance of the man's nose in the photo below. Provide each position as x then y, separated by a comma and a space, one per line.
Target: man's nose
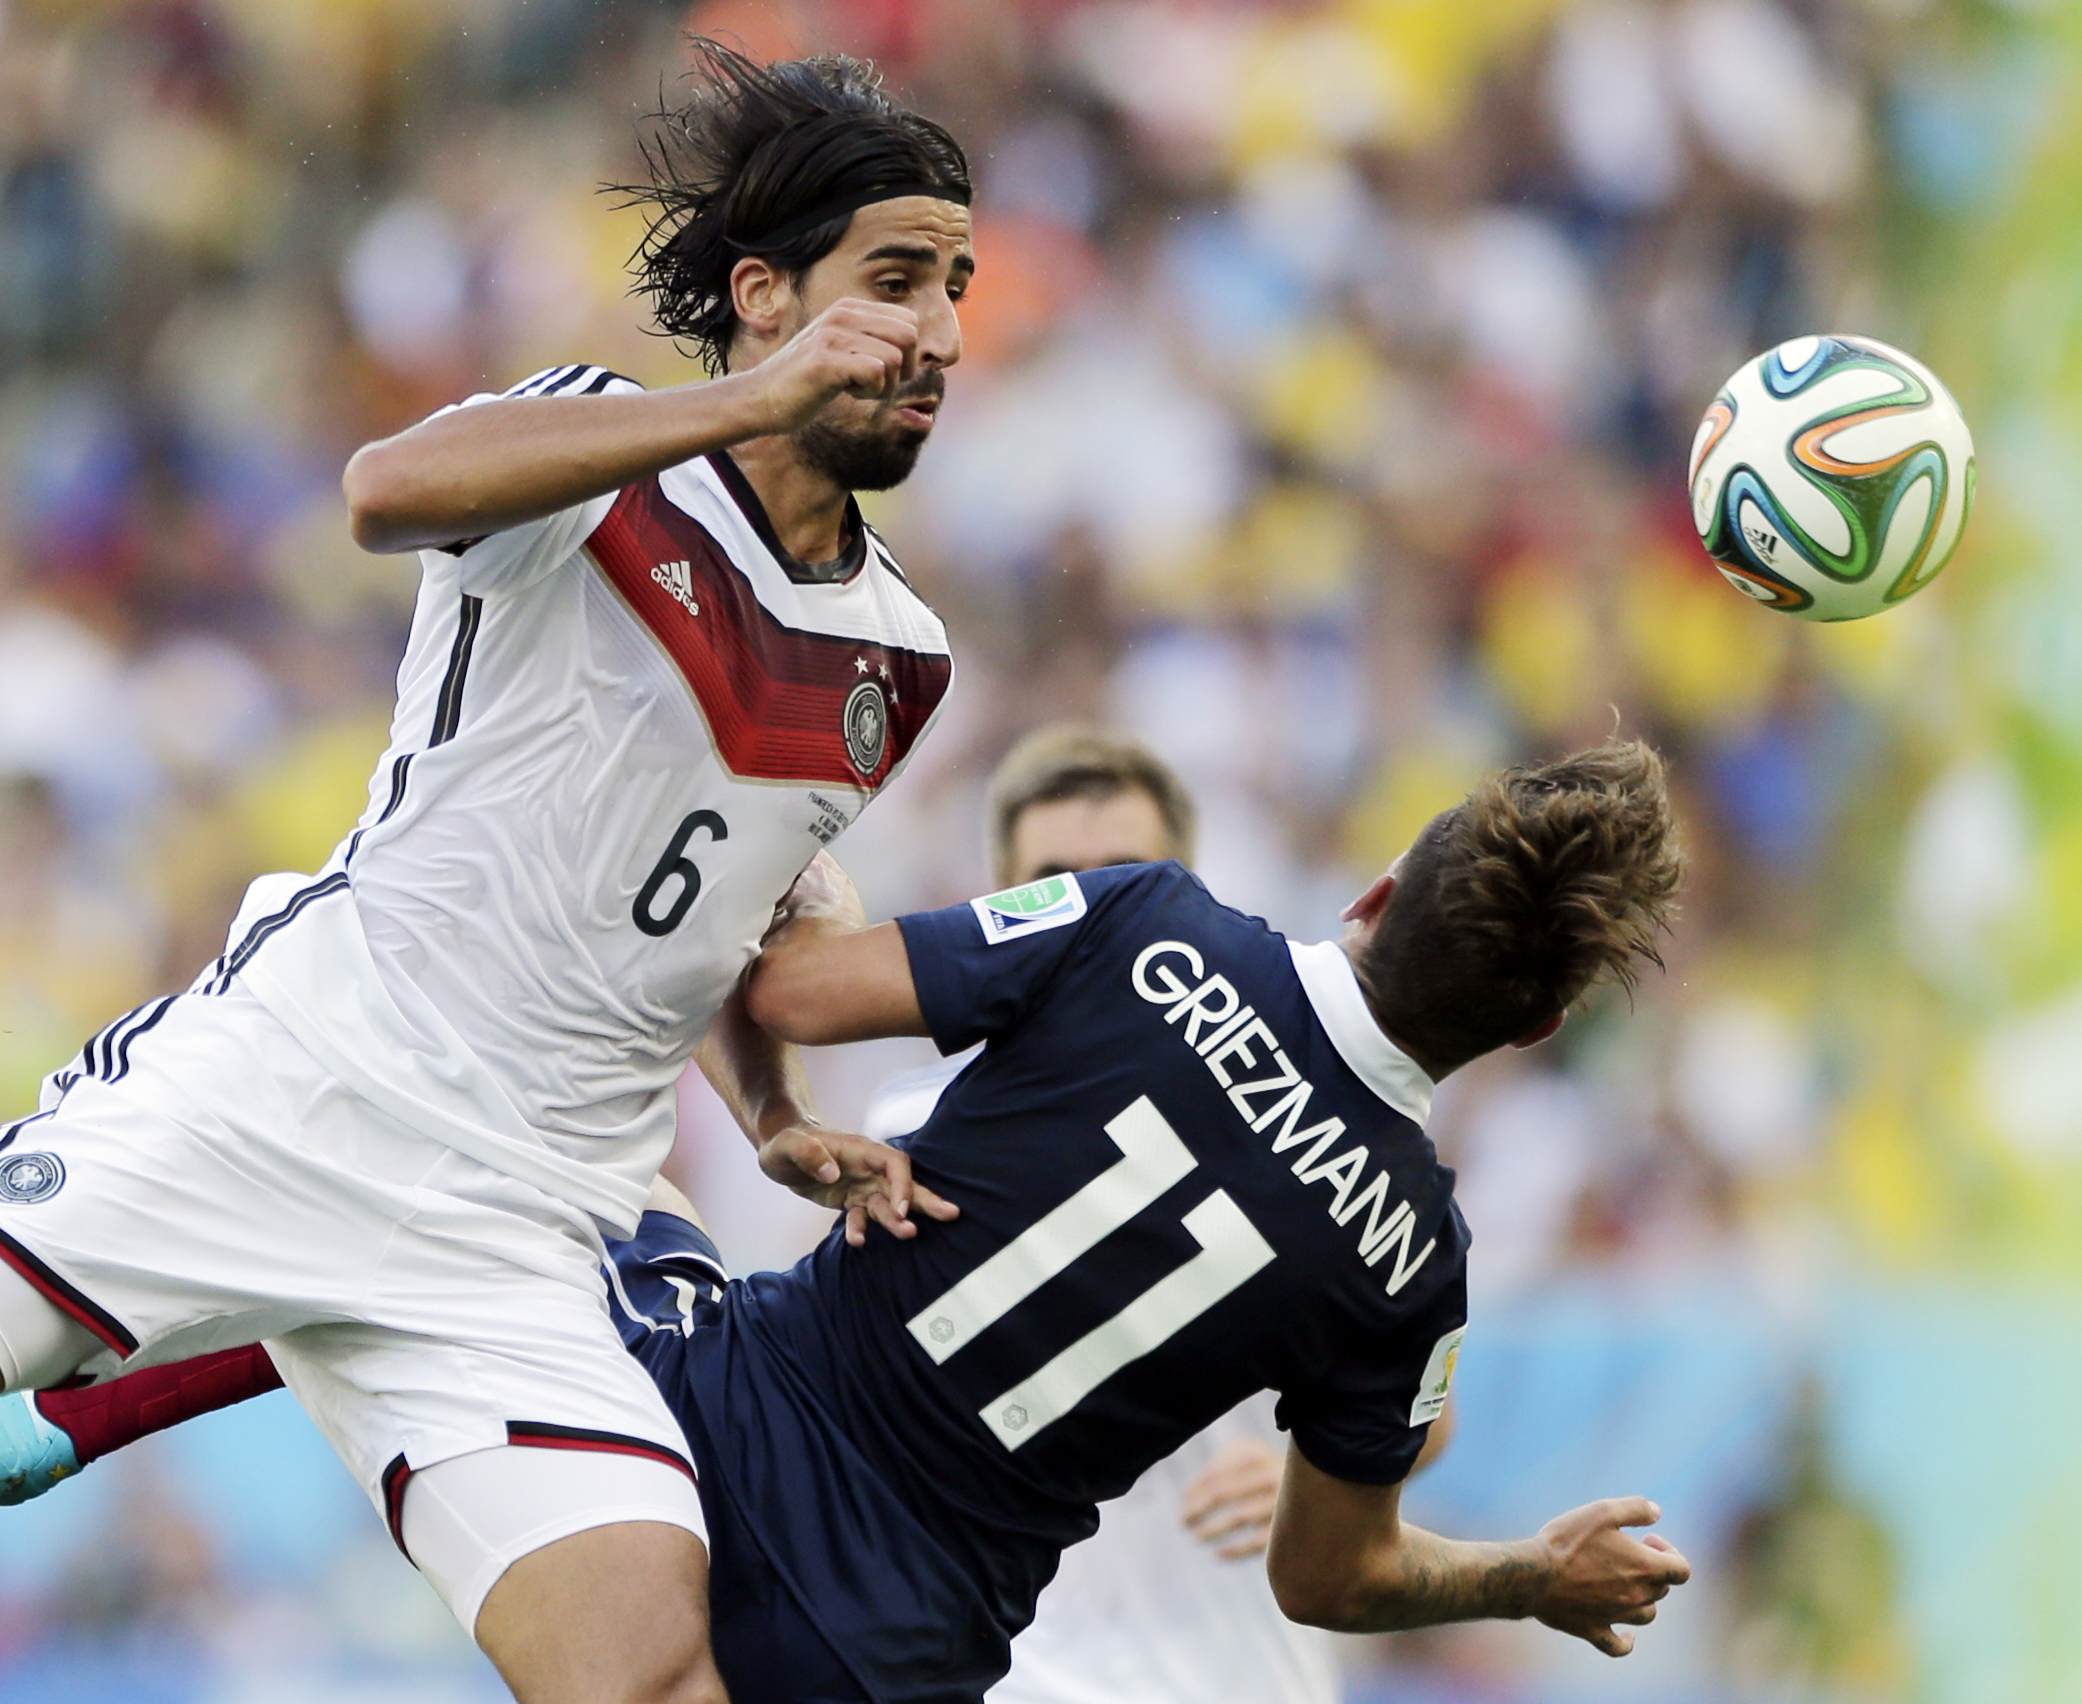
939, 332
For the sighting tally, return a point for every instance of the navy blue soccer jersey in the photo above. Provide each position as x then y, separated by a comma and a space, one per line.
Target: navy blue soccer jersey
1190, 1167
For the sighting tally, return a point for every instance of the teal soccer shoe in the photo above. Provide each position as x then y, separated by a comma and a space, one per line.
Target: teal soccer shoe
34, 1454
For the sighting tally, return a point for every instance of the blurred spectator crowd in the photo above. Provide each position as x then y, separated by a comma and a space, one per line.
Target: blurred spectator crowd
1330, 375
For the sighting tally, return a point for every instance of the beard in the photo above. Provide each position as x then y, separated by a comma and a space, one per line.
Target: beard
872, 455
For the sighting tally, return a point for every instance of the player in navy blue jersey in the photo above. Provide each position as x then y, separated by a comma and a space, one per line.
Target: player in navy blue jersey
1191, 1165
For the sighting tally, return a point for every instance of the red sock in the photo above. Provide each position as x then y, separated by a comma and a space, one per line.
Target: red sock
105, 1417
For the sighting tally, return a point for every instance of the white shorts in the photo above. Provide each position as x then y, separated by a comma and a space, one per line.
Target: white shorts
212, 1186
468, 1519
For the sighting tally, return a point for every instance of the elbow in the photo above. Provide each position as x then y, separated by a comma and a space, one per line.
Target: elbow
1305, 1594
1311, 1603
376, 500
773, 1001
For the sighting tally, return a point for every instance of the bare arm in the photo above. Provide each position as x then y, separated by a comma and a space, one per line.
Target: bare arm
1231, 1503
1343, 1558
824, 976
479, 470
760, 1077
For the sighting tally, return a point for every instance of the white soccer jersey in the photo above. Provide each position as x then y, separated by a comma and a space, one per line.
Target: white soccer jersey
621, 733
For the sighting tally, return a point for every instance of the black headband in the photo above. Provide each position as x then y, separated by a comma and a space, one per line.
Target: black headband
849, 203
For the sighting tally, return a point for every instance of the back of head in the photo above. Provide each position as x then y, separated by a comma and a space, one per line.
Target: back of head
772, 161
1544, 880
1071, 762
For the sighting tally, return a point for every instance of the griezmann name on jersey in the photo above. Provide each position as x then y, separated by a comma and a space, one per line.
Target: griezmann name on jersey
1190, 1166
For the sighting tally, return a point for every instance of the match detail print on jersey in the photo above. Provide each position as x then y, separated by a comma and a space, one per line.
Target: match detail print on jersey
1153, 1159
781, 704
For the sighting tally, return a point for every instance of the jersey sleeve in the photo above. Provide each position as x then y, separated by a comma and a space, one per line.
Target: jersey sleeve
980, 968
662, 1277
1367, 1420
516, 558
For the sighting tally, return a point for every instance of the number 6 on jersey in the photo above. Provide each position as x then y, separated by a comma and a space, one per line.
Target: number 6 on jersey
675, 864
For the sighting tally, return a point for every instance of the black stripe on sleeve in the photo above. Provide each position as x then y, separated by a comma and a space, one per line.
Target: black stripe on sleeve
448, 717
536, 383
448, 708
570, 383
603, 381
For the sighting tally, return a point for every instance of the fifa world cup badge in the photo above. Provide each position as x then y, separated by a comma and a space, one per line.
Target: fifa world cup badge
26, 1179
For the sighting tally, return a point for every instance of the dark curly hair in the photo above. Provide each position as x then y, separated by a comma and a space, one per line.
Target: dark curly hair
1545, 879
773, 161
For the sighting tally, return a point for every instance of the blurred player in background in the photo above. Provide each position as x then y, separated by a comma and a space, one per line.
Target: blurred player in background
658, 661
1159, 1606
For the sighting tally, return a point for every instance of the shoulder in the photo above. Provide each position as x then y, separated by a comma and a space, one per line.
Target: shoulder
1173, 894
925, 631
574, 379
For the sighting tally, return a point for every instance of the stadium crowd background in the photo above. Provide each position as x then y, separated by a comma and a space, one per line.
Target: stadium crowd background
1330, 375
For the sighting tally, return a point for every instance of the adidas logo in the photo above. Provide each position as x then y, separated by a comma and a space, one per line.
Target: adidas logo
678, 580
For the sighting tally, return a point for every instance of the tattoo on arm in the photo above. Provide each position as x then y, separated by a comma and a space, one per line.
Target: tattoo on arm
1434, 1580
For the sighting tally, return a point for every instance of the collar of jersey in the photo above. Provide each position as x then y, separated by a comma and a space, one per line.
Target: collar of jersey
1332, 987
837, 571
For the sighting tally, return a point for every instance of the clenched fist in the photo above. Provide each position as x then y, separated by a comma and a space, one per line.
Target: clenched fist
854, 347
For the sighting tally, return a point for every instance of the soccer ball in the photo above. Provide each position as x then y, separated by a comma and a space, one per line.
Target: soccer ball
1832, 478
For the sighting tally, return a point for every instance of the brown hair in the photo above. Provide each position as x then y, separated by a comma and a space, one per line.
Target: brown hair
1070, 762
1546, 879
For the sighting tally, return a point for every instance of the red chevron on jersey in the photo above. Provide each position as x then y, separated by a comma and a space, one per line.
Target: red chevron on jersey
781, 704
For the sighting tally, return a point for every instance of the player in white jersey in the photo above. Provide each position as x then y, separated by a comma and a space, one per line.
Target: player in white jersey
1165, 1603
658, 660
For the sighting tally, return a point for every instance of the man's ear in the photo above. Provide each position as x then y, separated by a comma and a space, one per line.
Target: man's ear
1367, 908
763, 297
1533, 1037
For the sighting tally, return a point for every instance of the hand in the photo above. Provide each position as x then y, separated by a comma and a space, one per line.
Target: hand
1230, 1504
1602, 1578
870, 1180
823, 893
855, 347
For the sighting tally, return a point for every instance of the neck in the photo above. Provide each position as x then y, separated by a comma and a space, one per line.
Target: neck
1350, 944
807, 509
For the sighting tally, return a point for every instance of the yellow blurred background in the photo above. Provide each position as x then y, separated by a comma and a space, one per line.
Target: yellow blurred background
1331, 371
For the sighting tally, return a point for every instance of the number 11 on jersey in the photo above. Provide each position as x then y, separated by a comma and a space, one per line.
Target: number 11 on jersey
1153, 1158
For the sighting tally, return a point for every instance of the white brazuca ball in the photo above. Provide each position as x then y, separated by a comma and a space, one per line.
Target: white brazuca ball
1832, 478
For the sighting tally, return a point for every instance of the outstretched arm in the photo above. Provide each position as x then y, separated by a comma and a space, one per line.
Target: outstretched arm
1343, 1558
475, 471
